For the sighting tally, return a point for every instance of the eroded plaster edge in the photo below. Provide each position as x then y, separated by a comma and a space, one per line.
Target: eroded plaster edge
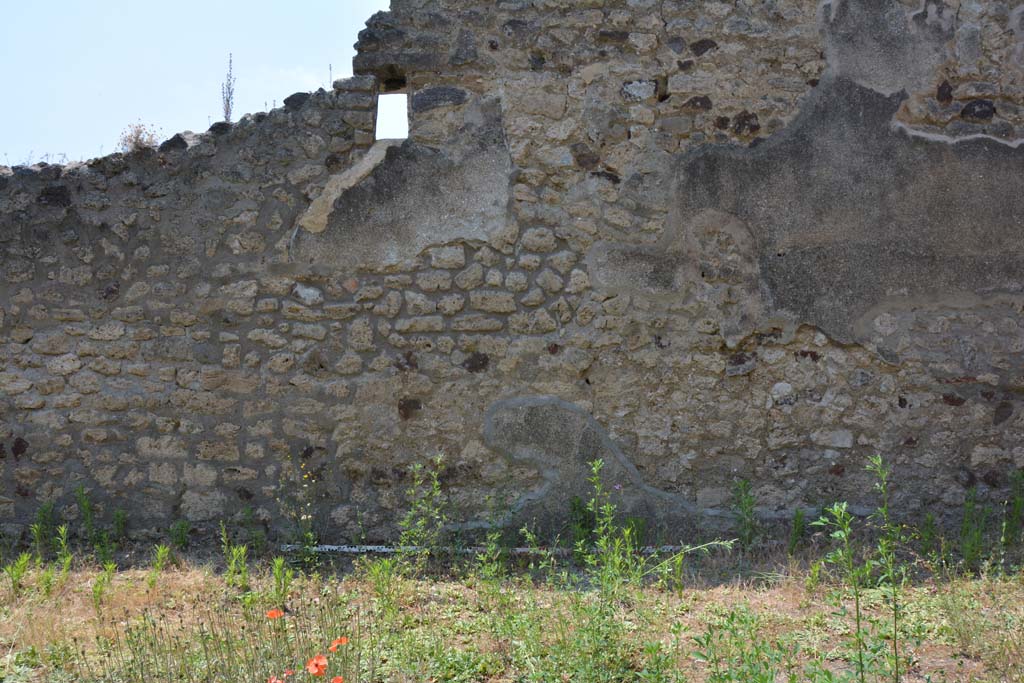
315, 218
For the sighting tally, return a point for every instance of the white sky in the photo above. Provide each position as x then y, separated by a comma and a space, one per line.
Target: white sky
77, 72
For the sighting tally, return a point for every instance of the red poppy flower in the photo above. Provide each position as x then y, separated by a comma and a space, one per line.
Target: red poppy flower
317, 666
338, 679
337, 643
275, 613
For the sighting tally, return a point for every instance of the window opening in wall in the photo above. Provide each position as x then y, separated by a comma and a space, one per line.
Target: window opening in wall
392, 117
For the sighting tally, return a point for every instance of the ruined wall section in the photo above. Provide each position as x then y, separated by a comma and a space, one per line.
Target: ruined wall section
607, 109
149, 314
611, 233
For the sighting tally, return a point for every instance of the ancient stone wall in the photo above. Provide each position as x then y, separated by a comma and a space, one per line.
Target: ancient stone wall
702, 241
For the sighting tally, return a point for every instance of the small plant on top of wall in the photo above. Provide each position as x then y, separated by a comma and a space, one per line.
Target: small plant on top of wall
137, 137
227, 91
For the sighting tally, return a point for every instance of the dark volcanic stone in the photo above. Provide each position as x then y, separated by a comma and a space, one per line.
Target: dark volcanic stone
441, 96
703, 45
700, 102
965, 477
110, 291
55, 195
295, 101
944, 93
477, 362
334, 163
408, 406
584, 156
978, 110
1004, 411
611, 177
610, 36
746, 123
465, 50
517, 28
177, 142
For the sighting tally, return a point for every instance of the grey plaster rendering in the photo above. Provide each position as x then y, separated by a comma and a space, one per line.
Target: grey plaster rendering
848, 212
843, 212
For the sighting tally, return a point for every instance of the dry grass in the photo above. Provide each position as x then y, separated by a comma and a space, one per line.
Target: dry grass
36, 621
137, 137
966, 629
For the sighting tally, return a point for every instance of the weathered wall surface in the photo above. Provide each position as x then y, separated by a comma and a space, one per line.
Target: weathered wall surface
699, 240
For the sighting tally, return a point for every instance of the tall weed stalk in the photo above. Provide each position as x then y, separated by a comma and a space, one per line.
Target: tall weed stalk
892, 573
839, 522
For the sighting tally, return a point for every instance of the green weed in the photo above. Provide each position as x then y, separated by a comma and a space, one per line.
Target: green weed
423, 525
179, 532
384, 575
161, 556
743, 503
120, 527
283, 578
1013, 526
972, 532
839, 522
64, 555
797, 531
892, 574
16, 572
88, 514
42, 532
236, 560
735, 651
101, 584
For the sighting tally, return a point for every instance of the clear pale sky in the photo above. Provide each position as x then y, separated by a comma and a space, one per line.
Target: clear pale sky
76, 72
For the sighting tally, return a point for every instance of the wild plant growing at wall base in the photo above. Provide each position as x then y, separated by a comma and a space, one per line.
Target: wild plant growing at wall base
892, 574
838, 521
746, 519
423, 527
616, 559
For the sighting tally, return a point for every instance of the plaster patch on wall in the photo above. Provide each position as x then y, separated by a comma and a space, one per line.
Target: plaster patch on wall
876, 44
847, 212
846, 208
416, 197
315, 217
